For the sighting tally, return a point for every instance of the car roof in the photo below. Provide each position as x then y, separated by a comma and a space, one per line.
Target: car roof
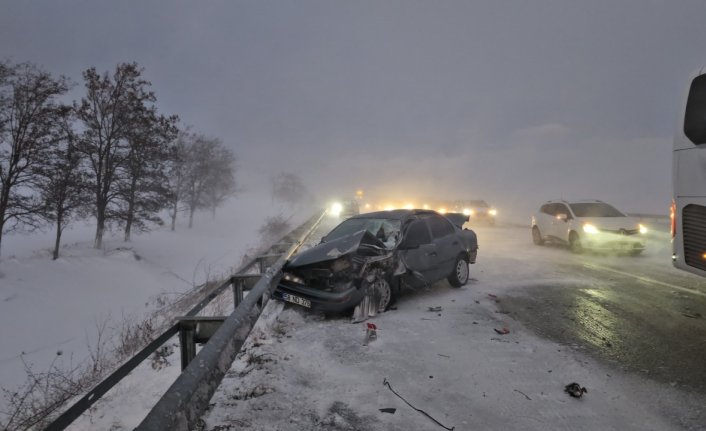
399, 214
580, 201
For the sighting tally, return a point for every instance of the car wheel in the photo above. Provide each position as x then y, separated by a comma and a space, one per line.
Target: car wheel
459, 276
537, 236
383, 290
575, 243
635, 252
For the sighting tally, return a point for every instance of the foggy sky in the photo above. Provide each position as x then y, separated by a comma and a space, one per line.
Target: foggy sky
515, 102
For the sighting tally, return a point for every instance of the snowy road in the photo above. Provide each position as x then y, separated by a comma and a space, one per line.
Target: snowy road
596, 320
639, 313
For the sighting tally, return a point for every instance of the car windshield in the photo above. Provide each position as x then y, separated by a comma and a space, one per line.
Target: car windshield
595, 209
386, 230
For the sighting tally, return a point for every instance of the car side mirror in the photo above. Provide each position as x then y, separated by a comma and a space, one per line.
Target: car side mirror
562, 217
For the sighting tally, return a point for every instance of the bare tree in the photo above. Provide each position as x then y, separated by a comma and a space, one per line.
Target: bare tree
202, 174
221, 183
200, 156
288, 188
144, 189
62, 180
28, 118
177, 171
106, 111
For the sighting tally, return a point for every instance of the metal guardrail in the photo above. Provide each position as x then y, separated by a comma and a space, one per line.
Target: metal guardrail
215, 358
188, 397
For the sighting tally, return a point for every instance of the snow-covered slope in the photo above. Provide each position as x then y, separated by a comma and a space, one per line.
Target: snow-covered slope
57, 306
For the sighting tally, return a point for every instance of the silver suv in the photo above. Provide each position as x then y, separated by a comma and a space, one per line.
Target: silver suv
588, 225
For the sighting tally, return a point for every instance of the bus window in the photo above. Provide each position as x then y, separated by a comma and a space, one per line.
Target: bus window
695, 113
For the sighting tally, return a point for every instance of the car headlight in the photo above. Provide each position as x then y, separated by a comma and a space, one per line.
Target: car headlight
340, 264
336, 209
293, 278
493, 212
642, 228
467, 211
589, 228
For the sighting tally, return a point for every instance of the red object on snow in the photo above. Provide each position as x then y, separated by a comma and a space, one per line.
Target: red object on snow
502, 331
372, 326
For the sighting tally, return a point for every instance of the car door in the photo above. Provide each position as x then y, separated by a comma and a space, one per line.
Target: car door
421, 258
544, 219
448, 246
560, 225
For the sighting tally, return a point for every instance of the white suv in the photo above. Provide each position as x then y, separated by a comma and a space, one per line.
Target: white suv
588, 225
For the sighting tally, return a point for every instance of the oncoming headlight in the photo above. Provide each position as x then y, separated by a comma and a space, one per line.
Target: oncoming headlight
589, 228
643, 228
493, 212
336, 209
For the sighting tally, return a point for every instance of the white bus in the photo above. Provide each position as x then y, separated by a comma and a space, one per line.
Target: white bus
688, 211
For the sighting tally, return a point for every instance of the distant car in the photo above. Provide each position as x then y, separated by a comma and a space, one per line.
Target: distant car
478, 211
588, 225
350, 209
377, 255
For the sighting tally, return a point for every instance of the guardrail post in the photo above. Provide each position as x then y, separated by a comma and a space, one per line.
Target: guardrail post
237, 284
267, 260
263, 300
187, 343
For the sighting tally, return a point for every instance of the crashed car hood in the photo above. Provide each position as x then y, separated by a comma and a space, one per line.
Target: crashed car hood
329, 250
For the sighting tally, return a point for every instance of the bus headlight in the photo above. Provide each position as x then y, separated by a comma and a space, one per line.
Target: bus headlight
642, 228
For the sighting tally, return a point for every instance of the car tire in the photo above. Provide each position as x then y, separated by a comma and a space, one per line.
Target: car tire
575, 243
635, 252
459, 276
537, 236
386, 293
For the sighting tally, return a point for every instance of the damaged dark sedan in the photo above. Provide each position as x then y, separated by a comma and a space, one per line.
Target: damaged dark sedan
368, 259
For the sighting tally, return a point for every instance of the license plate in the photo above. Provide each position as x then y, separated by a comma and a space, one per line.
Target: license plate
296, 300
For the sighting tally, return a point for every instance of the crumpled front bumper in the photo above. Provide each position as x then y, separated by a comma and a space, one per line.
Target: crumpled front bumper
321, 300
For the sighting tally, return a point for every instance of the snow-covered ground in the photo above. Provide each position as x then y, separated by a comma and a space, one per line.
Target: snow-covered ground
301, 371
50, 306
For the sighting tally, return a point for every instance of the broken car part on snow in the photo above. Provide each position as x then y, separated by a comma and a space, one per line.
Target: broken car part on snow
389, 386
575, 390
